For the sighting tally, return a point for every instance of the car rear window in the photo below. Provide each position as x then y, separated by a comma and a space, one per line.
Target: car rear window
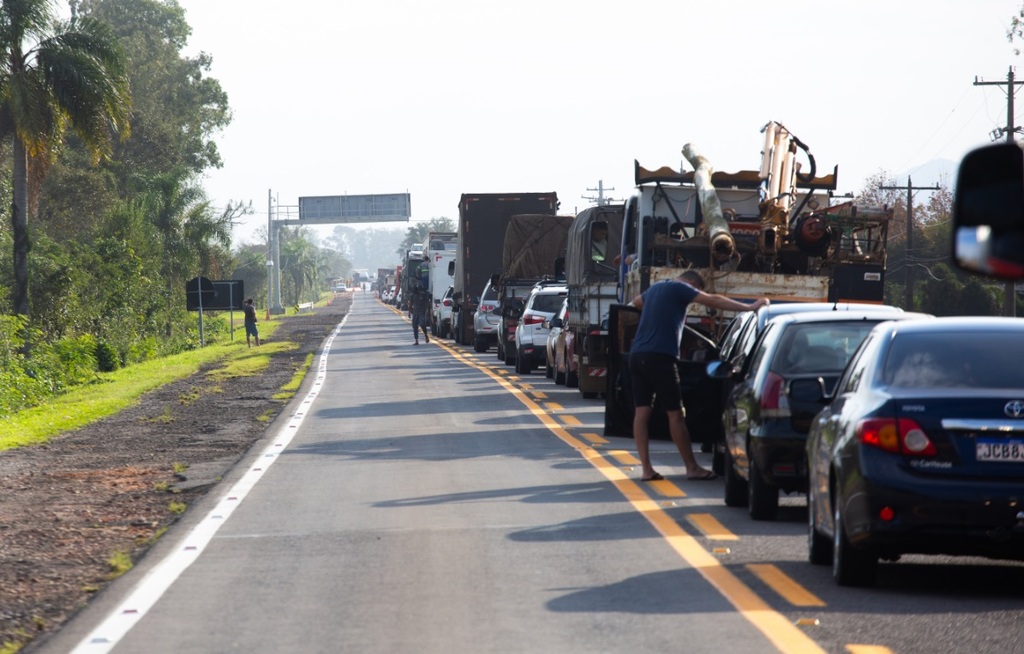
955, 360
547, 303
819, 346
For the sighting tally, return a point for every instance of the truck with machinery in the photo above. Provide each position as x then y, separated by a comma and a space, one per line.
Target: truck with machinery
533, 250
415, 274
439, 250
772, 232
592, 279
483, 219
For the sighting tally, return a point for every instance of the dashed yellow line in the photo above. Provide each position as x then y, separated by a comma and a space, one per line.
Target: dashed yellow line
624, 457
539, 395
595, 439
711, 527
868, 649
783, 634
571, 421
784, 585
554, 406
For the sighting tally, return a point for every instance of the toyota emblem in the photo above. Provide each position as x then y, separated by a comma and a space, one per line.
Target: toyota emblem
1014, 409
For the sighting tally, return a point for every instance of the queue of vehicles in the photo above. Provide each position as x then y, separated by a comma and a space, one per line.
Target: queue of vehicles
805, 396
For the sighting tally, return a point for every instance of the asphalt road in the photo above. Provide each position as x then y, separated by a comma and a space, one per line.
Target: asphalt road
428, 499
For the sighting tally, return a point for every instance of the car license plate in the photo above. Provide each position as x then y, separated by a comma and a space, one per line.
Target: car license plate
1000, 450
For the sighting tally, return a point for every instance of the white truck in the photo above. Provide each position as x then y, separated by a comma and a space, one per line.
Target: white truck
439, 250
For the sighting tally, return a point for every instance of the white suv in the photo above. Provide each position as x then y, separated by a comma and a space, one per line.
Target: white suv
531, 336
485, 320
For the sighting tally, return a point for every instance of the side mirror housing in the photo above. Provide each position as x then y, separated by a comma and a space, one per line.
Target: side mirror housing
988, 212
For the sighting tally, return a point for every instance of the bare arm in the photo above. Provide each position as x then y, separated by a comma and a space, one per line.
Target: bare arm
728, 304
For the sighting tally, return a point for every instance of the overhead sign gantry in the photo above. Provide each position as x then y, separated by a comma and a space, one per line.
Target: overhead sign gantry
326, 210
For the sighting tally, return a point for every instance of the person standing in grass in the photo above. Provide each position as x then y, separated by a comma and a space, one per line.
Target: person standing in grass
251, 331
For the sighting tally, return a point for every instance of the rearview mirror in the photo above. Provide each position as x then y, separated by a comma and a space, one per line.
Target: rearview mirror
988, 212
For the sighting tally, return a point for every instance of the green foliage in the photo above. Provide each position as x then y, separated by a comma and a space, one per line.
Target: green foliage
418, 233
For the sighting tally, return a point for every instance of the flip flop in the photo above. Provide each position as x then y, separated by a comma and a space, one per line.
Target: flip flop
706, 475
655, 477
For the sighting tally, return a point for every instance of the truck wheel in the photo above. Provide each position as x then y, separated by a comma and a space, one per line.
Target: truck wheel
572, 379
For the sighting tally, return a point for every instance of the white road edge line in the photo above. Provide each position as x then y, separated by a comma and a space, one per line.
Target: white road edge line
151, 587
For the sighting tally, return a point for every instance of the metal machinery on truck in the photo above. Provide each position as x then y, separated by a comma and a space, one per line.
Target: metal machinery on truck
483, 218
592, 279
533, 250
769, 232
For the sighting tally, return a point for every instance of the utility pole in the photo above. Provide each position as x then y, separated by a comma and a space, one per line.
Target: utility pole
908, 267
1009, 289
600, 199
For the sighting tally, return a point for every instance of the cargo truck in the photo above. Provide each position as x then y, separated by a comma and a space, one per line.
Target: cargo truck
533, 250
771, 232
483, 218
439, 250
592, 280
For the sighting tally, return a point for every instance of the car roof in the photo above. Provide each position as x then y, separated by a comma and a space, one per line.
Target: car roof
847, 316
764, 314
994, 324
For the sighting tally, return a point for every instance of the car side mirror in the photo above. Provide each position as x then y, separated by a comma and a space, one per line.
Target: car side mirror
720, 370
554, 322
988, 212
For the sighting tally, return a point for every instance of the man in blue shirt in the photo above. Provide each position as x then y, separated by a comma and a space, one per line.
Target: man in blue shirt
652, 362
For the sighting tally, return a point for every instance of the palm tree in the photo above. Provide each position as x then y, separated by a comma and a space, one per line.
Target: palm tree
53, 76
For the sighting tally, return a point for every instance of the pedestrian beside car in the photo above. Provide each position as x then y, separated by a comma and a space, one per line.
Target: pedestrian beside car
420, 309
652, 363
251, 331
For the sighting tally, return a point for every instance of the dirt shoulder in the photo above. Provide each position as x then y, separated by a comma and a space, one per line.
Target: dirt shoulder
110, 490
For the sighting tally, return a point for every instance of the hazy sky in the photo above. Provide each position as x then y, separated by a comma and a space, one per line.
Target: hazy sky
442, 97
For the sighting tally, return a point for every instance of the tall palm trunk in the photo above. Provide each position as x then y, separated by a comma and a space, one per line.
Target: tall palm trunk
19, 229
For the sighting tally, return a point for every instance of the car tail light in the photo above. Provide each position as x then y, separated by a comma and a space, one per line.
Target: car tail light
902, 436
774, 403
447, 303
532, 319
487, 308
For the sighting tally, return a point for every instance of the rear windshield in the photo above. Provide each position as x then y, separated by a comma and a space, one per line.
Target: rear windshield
490, 293
960, 360
819, 346
547, 303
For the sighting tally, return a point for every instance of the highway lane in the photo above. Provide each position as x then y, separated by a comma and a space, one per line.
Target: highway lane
429, 499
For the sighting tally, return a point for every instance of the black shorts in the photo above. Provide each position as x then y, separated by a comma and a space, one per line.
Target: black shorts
655, 377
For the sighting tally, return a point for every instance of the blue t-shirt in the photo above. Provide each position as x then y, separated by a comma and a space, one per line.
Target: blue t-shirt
662, 318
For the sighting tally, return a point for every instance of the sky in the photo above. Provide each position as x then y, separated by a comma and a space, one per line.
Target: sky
437, 98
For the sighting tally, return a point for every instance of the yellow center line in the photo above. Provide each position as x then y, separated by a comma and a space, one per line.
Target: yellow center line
571, 421
782, 633
868, 649
539, 395
624, 457
711, 527
554, 406
595, 439
784, 585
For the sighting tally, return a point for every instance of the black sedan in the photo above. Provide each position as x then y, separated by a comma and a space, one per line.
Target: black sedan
765, 424
921, 449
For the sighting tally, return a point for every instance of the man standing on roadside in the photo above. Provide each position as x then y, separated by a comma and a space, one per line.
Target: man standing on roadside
251, 331
652, 363
420, 308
